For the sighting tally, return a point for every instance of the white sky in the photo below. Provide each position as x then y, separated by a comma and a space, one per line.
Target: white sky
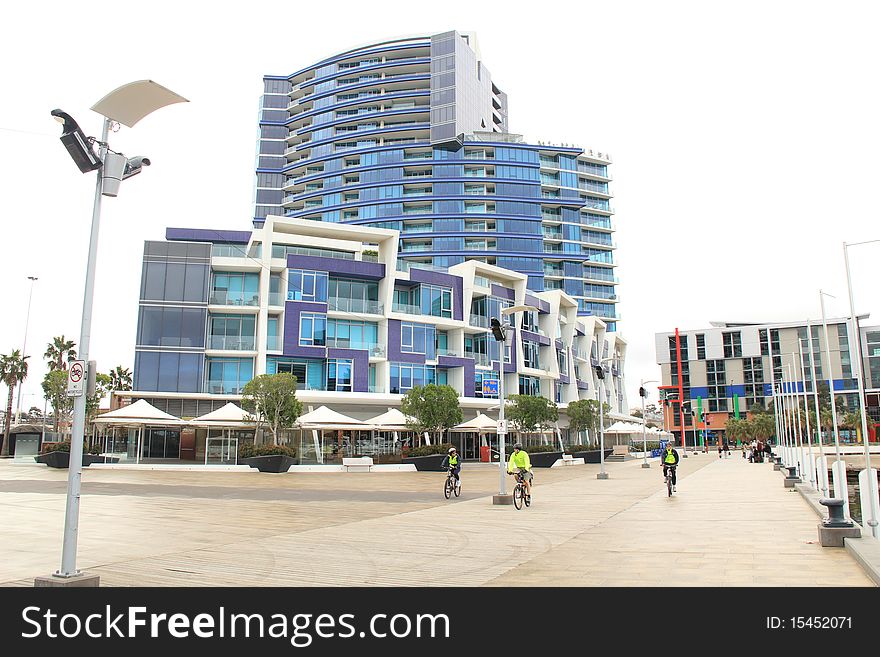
744, 139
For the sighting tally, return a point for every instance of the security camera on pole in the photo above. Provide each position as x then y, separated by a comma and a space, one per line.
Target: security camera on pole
126, 105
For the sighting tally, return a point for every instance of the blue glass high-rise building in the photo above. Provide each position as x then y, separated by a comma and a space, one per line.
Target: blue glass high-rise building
412, 134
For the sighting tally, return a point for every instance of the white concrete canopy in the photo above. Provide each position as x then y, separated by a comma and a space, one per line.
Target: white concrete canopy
131, 102
140, 413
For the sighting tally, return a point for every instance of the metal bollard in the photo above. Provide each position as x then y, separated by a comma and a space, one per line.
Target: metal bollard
834, 529
791, 478
835, 513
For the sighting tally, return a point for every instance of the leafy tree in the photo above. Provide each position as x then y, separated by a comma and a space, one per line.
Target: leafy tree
532, 413
13, 371
584, 415
762, 426
272, 399
636, 413
59, 353
120, 378
852, 420
432, 408
55, 390
736, 429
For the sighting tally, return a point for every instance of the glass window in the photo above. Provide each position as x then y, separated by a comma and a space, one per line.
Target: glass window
228, 376
339, 374
312, 329
236, 332
305, 285
405, 376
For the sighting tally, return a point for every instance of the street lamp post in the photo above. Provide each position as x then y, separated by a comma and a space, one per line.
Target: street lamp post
839, 468
822, 465
871, 476
812, 462
600, 374
499, 332
642, 394
27, 321
126, 105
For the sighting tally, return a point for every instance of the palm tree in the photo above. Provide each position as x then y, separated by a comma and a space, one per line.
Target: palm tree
120, 378
13, 370
852, 420
59, 353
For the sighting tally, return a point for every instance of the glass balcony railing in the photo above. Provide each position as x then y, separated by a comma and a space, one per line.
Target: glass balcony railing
273, 343
226, 298
276, 299
375, 388
447, 352
479, 320
376, 350
231, 342
219, 387
343, 304
551, 271
482, 281
407, 308
479, 359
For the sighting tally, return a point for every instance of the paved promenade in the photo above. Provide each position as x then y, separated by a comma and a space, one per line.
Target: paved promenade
732, 523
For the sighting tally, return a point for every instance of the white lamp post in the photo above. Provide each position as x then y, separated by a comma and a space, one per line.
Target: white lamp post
500, 331
600, 374
642, 394
126, 105
868, 491
27, 321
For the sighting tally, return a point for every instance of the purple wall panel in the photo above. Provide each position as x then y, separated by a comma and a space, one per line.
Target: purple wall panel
360, 381
467, 364
394, 353
337, 266
502, 292
540, 304
448, 280
535, 337
292, 310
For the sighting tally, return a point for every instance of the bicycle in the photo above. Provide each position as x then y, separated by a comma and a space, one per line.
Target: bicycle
520, 492
670, 470
452, 485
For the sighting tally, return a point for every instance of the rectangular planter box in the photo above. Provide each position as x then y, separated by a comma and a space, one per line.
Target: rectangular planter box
544, 459
591, 456
430, 463
59, 459
270, 462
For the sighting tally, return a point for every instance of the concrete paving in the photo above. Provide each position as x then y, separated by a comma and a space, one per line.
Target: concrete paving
731, 523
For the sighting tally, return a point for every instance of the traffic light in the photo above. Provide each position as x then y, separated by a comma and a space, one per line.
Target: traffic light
642, 392
600, 373
497, 330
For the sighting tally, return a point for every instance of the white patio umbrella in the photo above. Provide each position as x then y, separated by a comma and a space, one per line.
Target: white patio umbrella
326, 418
480, 423
139, 415
227, 418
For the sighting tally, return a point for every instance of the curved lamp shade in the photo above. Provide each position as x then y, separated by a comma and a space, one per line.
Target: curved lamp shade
133, 101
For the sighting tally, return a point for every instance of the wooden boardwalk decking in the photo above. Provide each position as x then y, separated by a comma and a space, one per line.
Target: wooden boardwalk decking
731, 524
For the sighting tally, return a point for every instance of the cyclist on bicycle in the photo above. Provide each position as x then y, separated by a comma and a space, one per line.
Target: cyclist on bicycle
453, 462
520, 459
669, 458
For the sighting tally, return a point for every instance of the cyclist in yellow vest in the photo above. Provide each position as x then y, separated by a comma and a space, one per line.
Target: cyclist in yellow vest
669, 459
453, 462
520, 459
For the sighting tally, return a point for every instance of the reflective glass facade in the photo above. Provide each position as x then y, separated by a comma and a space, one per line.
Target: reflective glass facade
413, 135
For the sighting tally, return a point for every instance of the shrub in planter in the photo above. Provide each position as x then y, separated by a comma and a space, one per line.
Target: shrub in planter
428, 457
248, 450
428, 450
537, 449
